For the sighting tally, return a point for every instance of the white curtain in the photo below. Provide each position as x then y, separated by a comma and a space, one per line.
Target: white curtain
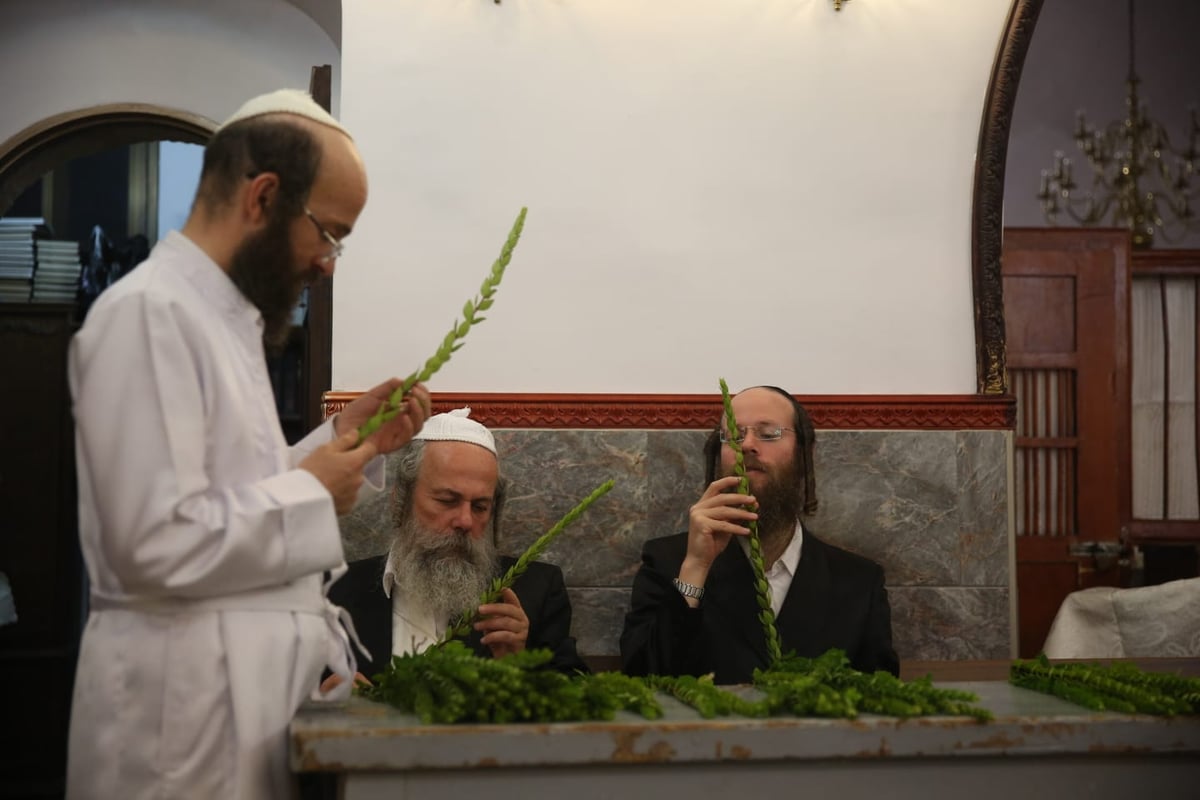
1163, 363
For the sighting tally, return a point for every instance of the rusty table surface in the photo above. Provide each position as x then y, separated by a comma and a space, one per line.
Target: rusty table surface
360, 735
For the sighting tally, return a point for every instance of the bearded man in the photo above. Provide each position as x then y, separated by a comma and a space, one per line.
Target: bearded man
694, 607
204, 534
448, 499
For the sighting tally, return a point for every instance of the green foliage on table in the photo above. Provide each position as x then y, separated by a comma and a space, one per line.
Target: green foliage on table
452, 340
1121, 686
762, 589
828, 686
707, 698
462, 625
450, 684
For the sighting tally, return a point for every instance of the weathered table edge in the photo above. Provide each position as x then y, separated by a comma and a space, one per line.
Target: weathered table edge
371, 737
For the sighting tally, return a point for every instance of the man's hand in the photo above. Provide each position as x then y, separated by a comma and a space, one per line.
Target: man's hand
396, 432
716, 516
334, 681
504, 625
338, 465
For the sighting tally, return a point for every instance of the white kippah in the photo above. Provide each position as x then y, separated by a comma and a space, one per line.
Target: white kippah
284, 101
455, 426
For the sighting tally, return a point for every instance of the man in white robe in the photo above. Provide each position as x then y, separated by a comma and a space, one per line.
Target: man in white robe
206, 537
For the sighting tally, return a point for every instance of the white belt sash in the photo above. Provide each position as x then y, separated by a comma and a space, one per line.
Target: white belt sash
298, 597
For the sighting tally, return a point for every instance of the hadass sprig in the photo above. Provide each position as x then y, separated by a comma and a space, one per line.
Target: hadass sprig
451, 684
1120, 687
828, 686
452, 340
762, 590
462, 625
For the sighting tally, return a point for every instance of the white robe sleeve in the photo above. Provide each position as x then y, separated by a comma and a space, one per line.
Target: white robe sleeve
374, 473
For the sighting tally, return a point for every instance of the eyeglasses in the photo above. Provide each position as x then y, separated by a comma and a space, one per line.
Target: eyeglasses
335, 245
764, 433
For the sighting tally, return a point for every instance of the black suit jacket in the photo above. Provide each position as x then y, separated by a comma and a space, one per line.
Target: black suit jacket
836, 599
540, 588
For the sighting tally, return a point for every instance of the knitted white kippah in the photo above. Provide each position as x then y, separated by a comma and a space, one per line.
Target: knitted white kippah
455, 426
284, 101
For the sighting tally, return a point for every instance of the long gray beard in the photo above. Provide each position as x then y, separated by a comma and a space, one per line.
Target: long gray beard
441, 573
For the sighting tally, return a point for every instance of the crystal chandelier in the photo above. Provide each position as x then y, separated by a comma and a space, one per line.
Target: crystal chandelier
1133, 185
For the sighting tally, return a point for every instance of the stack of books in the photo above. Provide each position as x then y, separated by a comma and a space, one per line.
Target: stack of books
56, 277
17, 257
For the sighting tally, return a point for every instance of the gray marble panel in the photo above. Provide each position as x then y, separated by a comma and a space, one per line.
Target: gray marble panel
892, 497
367, 530
950, 623
676, 479
549, 472
983, 507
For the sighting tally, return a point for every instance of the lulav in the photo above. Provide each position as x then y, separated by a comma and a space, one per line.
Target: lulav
766, 614
453, 340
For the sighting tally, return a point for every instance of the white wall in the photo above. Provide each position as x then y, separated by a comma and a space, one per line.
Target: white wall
764, 190
814, 167
202, 56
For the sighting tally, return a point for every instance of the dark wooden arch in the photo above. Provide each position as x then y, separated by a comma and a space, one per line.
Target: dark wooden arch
987, 215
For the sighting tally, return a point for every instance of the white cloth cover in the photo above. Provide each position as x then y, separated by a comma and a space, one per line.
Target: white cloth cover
1160, 621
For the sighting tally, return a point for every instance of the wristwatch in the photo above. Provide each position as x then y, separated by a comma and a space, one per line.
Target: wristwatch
687, 589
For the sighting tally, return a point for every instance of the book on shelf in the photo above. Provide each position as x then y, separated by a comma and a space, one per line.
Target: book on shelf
34, 267
56, 276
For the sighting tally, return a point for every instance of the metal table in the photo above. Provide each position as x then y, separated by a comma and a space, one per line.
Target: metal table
1037, 746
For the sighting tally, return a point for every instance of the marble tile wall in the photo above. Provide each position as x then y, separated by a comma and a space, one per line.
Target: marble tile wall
930, 506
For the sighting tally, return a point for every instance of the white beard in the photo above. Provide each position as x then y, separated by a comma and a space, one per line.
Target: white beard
441, 573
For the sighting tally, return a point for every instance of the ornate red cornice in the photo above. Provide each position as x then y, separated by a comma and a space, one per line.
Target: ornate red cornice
696, 411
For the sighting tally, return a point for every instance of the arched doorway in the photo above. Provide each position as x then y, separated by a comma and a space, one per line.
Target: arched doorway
28, 155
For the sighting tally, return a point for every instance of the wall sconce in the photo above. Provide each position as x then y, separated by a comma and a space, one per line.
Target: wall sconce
837, 4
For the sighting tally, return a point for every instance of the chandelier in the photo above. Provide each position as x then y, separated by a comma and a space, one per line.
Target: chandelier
1133, 184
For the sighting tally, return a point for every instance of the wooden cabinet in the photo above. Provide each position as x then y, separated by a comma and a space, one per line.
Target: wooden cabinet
39, 548
1066, 309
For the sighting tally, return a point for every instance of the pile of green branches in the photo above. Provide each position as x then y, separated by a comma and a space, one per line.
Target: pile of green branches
449, 683
1120, 686
826, 686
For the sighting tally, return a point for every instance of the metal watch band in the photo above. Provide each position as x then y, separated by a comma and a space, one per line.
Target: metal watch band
687, 589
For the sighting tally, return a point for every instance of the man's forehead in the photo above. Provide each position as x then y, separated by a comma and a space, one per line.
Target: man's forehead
758, 405
457, 466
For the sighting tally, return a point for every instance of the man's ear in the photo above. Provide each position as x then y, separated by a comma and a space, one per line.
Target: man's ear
259, 195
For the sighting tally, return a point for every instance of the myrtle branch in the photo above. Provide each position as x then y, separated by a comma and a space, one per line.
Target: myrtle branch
462, 625
453, 340
766, 614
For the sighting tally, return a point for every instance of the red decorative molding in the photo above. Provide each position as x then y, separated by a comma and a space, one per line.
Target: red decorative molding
699, 411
